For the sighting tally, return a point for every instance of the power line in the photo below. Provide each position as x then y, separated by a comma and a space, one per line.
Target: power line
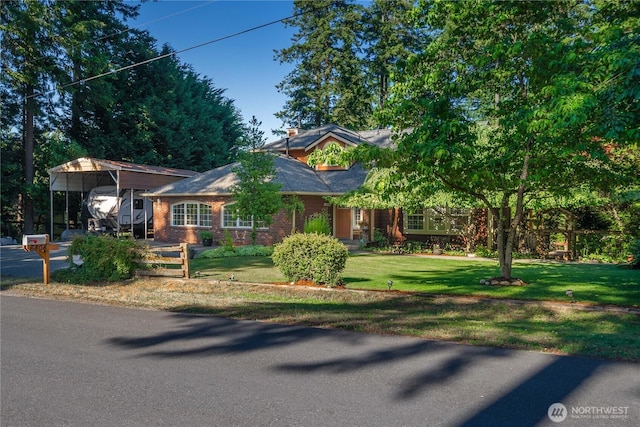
126, 30
159, 57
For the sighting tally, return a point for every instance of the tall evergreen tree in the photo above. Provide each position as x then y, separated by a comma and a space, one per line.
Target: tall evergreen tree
28, 59
328, 84
91, 35
389, 37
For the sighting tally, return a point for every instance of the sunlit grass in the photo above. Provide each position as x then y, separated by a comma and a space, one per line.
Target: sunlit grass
590, 283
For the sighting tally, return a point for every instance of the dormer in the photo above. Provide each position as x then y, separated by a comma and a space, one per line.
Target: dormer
325, 155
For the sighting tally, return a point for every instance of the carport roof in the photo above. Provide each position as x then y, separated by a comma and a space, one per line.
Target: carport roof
85, 173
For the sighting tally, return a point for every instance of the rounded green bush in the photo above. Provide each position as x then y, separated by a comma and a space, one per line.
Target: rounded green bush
311, 256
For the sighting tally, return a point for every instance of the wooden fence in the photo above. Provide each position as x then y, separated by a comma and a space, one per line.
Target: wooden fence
162, 261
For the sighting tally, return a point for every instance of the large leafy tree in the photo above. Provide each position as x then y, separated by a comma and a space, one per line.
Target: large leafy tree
328, 84
256, 195
499, 109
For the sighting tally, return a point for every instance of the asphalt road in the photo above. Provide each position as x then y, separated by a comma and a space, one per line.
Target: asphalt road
16, 262
73, 364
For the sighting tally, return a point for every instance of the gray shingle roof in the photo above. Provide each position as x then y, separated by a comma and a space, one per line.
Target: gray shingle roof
294, 176
308, 138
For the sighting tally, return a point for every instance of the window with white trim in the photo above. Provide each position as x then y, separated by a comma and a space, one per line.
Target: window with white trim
415, 221
358, 217
194, 214
437, 221
231, 219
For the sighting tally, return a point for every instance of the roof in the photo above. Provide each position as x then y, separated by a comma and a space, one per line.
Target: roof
85, 173
307, 139
294, 176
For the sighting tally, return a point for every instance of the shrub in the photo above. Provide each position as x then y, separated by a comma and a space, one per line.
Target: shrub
317, 223
311, 256
227, 241
251, 250
483, 251
105, 258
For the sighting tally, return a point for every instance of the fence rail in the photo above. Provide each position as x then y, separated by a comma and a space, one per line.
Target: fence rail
162, 260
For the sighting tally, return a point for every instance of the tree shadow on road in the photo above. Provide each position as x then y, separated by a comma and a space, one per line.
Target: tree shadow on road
441, 365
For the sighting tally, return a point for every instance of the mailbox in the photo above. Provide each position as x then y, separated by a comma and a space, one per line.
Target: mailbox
34, 239
40, 243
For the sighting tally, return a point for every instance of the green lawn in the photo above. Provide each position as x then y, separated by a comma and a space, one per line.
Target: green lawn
590, 283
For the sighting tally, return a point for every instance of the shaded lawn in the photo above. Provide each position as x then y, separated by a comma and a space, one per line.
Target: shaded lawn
590, 283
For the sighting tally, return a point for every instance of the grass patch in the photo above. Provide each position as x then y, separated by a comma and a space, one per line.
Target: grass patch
590, 283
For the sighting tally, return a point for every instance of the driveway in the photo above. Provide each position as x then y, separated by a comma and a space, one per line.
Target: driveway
76, 364
16, 262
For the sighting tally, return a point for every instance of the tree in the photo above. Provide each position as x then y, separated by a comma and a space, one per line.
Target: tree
28, 58
329, 83
90, 35
389, 37
57, 60
256, 196
496, 110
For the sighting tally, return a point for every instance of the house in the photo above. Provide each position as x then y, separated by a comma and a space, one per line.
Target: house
184, 208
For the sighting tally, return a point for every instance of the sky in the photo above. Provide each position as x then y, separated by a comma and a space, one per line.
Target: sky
243, 65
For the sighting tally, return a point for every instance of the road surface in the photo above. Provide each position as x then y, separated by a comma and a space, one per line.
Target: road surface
74, 364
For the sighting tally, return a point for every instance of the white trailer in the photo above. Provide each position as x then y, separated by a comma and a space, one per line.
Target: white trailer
108, 210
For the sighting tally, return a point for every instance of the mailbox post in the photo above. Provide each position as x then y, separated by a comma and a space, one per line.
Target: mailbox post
40, 244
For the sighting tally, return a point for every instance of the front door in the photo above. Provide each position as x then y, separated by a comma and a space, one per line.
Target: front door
342, 223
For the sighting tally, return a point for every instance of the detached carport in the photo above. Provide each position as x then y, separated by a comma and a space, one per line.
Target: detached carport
83, 174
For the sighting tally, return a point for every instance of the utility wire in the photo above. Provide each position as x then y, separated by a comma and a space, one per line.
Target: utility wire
166, 55
126, 30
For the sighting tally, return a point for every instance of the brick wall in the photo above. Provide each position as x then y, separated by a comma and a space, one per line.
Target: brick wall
279, 229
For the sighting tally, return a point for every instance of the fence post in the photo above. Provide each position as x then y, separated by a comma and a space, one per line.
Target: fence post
184, 254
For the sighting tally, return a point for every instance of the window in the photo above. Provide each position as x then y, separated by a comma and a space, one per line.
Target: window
357, 217
230, 218
437, 221
191, 214
415, 221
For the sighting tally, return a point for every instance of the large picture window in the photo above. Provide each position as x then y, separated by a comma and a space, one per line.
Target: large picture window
191, 214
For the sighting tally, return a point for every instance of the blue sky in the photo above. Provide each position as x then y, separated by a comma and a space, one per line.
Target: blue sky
242, 65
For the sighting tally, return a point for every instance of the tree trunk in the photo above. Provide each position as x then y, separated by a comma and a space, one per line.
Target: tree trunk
28, 143
505, 244
507, 227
